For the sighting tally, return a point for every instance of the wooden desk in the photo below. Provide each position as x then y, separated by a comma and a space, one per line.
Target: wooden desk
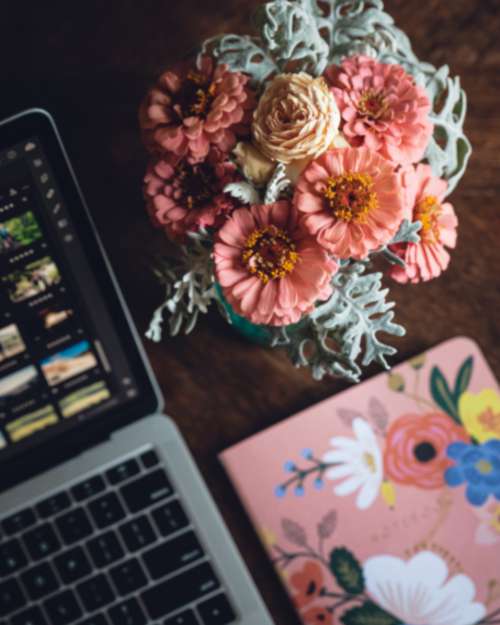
90, 64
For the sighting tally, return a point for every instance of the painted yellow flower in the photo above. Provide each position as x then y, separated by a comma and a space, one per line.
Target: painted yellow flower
480, 414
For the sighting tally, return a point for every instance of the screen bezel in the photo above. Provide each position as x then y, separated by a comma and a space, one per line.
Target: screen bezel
39, 123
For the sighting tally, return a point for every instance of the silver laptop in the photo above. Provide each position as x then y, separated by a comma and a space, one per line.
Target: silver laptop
104, 518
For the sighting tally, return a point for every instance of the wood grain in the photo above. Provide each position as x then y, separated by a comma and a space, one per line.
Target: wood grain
90, 63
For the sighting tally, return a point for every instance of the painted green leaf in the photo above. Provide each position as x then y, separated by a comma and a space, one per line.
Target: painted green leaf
347, 571
368, 614
462, 380
442, 394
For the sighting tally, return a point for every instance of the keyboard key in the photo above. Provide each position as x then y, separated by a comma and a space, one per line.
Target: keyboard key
53, 505
170, 517
184, 618
11, 597
88, 488
128, 576
180, 590
105, 549
97, 619
74, 525
31, 616
95, 593
39, 581
123, 471
216, 611
173, 555
63, 609
19, 521
149, 459
41, 541
106, 510
72, 565
128, 613
12, 557
137, 533
146, 491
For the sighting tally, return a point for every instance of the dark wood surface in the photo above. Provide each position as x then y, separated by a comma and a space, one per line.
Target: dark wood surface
91, 62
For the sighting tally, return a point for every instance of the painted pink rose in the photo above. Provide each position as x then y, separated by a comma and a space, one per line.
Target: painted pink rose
415, 452
424, 201
270, 269
193, 109
351, 200
382, 108
188, 196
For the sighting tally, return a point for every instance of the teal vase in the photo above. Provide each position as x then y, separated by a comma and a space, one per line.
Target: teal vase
256, 333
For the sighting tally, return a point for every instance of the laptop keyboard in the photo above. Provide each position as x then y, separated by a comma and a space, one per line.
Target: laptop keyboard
115, 549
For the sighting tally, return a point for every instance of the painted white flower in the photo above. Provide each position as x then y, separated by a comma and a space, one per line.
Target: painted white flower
419, 591
360, 463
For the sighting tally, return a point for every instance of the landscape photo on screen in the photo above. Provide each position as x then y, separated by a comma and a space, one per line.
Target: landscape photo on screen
84, 398
11, 342
19, 384
68, 363
32, 422
18, 232
33, 279
53, 316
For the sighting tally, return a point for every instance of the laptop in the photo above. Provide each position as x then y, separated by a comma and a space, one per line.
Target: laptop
104, 517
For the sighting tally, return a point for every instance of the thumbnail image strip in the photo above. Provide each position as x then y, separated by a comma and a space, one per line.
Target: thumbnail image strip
18, 232
11, 342
17, 384
30, 423
84, 398
33, 279
68, 363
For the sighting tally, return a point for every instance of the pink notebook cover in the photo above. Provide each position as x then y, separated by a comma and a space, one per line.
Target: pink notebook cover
381, 505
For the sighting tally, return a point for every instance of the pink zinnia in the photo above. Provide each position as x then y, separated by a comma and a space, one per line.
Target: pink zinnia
191, 110
352, 201
270, 270
382, 108
424, 202
185, 197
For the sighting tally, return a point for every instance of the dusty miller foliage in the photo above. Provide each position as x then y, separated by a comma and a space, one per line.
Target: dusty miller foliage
309, 35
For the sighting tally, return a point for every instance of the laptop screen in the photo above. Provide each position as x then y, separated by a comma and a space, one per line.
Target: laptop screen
61, 360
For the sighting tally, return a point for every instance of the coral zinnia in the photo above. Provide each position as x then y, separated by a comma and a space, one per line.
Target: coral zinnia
382, 108
191, 110
188, 196
352, 201
424, 202
270, 270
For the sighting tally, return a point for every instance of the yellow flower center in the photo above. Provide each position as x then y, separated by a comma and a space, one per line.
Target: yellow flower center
428, 212
269, 253
351, 197
484, 467
198, 184
197, 95
373, 104
369, 460
495, 519
490, 420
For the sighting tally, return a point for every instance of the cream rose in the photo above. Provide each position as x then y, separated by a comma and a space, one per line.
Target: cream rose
296, 118
258, 168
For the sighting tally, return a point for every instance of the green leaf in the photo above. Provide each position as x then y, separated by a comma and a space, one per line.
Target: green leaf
368, 614
462, 380
442, 394
347, 571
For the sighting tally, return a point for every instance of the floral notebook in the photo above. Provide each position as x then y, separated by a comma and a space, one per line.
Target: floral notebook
381, 505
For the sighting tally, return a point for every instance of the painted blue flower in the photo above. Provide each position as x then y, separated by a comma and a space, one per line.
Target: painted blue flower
478, 466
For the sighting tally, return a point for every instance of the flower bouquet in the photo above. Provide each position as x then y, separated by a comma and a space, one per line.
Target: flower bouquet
284, 164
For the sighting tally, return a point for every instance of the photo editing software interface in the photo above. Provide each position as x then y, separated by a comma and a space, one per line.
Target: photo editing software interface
61, 361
